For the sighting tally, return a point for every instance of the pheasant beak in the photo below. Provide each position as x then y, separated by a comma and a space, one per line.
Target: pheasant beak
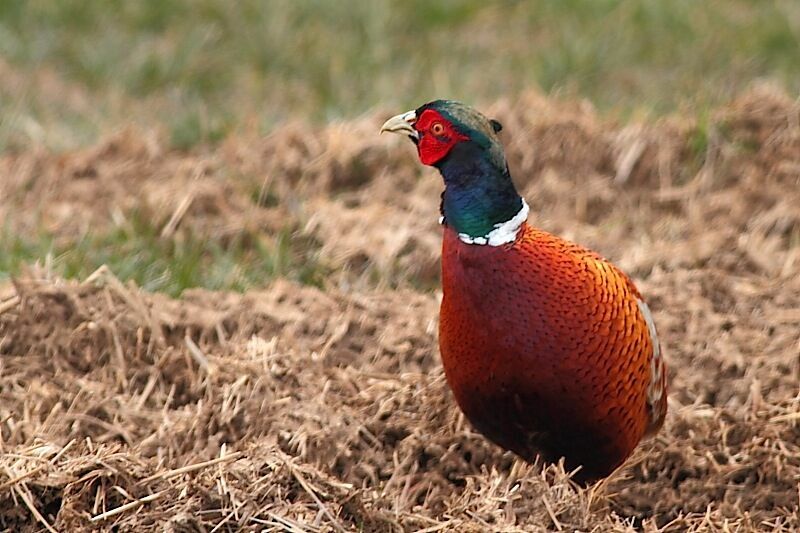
402, 123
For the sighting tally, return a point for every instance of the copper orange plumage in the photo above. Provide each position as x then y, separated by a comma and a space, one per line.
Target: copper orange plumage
549, 349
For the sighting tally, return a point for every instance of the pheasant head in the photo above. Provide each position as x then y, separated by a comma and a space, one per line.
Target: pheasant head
480, 201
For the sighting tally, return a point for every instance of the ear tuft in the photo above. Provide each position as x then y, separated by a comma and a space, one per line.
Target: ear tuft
496, 126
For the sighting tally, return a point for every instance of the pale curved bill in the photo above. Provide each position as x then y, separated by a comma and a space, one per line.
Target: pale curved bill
402, 123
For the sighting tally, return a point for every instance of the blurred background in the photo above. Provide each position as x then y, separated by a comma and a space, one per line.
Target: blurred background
71, 70
201, 71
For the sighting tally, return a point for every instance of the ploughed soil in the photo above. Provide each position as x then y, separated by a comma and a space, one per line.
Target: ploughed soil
324, 408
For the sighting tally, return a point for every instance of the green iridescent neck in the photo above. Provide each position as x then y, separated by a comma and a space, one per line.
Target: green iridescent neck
479, 194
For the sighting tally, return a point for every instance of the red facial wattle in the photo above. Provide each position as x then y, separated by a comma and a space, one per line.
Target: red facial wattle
437, 136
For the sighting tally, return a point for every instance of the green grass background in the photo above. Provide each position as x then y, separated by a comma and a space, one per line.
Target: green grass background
211, 65
71, 70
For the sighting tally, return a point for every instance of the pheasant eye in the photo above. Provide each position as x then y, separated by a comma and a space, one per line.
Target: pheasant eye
437, 128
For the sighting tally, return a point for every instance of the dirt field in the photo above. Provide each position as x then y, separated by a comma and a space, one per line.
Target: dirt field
296, 408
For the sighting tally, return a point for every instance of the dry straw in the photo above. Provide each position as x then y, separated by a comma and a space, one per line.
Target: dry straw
291, 408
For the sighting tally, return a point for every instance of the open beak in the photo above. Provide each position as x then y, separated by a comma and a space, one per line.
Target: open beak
402, 123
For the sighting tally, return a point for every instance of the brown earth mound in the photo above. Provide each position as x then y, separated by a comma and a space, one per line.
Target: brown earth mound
292, 408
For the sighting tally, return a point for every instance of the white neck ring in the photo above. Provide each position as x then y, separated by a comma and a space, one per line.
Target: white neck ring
503, 232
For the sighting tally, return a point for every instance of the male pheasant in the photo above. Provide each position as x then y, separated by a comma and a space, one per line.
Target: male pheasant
549, 348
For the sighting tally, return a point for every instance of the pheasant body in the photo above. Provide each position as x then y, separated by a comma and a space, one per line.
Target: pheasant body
549, 349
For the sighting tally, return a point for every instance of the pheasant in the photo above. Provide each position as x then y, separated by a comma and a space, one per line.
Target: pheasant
549, 348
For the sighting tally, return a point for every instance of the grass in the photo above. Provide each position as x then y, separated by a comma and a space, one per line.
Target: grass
71, 71
202, 68
138, 252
